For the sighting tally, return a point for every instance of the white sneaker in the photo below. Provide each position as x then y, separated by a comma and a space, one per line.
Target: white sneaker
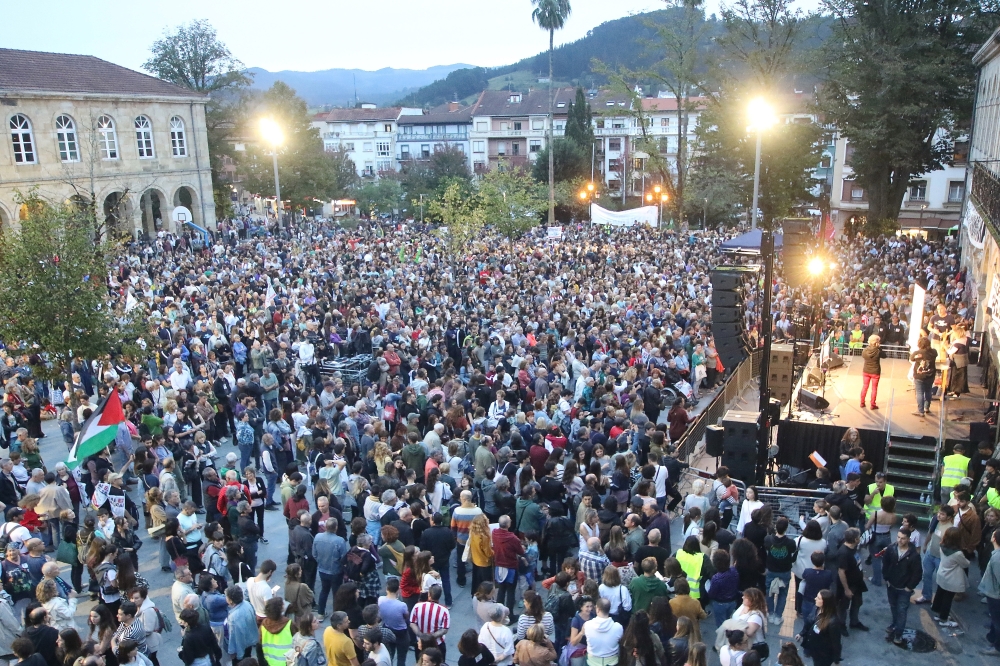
775, 619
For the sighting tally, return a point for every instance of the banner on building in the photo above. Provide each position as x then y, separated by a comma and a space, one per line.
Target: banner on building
627, 218
975, 227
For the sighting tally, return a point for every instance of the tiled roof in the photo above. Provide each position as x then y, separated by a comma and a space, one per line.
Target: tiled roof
359, 115
497, 102
439, 115
68, 73
669, 103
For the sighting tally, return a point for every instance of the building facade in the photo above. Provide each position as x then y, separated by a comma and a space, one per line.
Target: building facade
444, 127
980, 232
366, 133
80, 128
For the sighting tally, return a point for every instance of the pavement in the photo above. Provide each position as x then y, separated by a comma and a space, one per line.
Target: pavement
955, 648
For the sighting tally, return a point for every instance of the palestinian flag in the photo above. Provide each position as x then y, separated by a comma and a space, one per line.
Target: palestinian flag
98, 431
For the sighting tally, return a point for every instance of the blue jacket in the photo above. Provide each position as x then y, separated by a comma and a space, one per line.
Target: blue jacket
329, 551
242, 626
215, 604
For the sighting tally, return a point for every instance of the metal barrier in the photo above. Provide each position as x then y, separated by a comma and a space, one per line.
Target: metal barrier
891, 351
737, 382
792, 503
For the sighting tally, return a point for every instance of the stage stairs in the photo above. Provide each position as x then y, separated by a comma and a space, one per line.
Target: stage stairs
911, 466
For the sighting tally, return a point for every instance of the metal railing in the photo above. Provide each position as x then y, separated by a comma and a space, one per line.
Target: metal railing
891, 351
792, 503
734, 386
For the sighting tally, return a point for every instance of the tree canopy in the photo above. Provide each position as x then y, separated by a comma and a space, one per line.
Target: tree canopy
53, 289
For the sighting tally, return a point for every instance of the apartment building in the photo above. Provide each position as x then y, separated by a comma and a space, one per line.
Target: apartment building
443, 127
366, 133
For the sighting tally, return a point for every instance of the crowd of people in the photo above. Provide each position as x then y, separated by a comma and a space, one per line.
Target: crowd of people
499, 419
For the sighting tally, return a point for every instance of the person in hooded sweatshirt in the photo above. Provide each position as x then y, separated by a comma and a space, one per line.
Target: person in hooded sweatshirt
603, 635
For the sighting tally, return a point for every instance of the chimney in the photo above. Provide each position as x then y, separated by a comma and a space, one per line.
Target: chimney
454, 106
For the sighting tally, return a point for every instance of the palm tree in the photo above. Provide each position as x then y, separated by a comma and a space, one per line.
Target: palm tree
551, 15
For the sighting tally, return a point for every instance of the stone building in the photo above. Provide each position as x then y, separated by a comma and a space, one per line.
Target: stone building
81, 129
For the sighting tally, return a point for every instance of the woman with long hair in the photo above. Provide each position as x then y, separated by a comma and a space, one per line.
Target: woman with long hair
409, 584
951, 578
616, 539
821, 637
304, 642
69, 646
424, 572
534, 613
697, 655
346, 600
479, 550
101, 625
298, 595
473, 652
750, 504
680, 643
662, 620
639, 645
746, 561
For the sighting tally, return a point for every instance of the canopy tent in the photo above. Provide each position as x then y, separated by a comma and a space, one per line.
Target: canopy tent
748, 242
626, 218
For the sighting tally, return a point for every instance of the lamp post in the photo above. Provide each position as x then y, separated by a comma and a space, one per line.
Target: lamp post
761, 117
589, 192
273, 135
704, 215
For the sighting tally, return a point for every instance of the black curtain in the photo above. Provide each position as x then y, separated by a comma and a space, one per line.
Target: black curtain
798, 439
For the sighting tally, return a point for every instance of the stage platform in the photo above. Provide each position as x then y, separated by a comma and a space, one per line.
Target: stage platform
896, 401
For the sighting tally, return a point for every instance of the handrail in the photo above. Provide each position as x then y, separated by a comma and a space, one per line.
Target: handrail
731, 389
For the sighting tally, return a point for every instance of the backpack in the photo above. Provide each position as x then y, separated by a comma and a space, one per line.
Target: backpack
162, 623
5, 539
356, 565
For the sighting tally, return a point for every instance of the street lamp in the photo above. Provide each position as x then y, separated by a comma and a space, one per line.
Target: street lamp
272, 134
761, 117
816, 266
589, 192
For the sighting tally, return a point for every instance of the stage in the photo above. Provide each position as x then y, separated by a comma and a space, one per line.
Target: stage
897, 404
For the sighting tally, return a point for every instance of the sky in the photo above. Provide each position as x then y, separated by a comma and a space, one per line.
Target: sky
311, 35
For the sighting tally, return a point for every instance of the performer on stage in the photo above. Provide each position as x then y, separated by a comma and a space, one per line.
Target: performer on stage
872, 354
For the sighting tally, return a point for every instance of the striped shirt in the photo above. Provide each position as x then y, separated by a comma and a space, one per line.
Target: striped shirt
461, 519
133, 631
430, 617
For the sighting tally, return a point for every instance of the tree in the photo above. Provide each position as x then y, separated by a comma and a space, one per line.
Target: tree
682, 36
54, 292
579, 122
790, 153
461, 215
551, 15
568, 159
306, 171
511, 201
380, 197
899, 86
192, 56
760, 41
450, 162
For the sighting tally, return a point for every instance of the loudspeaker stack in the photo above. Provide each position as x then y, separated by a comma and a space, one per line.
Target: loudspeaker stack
739, 452
795, 236
730, 287
780, 372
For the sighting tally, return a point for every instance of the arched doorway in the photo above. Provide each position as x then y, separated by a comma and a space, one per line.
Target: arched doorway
117, 214
151, 206
185, 196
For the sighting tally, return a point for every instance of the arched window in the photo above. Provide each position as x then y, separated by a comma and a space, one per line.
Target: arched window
66, 139
22, 139
107, 138
144, 137
177, 143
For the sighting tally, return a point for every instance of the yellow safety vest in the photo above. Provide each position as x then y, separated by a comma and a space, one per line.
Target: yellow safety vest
993, 498
857, 340
691, 565
956, 468
876, 502
276, 646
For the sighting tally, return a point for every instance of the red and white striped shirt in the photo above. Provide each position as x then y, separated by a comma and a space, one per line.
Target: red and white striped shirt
430, 617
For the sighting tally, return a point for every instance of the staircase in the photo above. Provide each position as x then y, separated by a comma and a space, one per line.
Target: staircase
911, 467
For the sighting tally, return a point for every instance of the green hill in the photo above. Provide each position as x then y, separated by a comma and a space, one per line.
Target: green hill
630, 41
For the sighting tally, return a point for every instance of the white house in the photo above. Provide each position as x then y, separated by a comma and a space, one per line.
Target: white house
366, 133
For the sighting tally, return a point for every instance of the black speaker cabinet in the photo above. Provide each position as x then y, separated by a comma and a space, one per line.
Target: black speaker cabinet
714, 438
812, 400
725, 281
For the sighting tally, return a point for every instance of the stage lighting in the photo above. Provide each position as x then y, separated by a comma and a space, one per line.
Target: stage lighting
816, 266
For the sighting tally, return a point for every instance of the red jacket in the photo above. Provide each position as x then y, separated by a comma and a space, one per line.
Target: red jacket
506, 548
221, 503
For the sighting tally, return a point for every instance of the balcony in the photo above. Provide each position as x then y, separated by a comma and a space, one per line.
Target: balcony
437, 136
986, 194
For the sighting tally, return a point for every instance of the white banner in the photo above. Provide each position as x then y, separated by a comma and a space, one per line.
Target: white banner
975, 228
627, 218
554, 233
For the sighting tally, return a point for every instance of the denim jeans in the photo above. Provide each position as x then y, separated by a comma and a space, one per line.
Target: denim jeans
993, 636
328, 586
778, 608
878, 542
246, 455
402, 646
923, 388
722, 611
930, 565
460, 565
445, 572
808, 610
899, 606
272, 482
